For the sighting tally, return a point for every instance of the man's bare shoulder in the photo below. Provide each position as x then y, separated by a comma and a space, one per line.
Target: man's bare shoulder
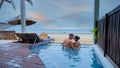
66, 40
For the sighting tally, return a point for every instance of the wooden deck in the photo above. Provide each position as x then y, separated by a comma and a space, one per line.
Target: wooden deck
17, 55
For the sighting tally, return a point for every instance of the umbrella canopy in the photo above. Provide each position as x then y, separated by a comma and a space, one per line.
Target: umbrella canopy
17, 21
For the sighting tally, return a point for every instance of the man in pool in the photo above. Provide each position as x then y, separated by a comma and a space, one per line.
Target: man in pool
68, 41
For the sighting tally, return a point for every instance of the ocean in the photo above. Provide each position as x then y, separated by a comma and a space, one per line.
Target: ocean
48, 30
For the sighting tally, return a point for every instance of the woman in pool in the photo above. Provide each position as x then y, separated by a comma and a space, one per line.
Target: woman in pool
75, 42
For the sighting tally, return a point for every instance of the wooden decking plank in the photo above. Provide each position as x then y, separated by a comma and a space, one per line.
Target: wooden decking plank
18, 55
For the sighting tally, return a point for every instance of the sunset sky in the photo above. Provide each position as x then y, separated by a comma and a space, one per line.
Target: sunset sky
59, 14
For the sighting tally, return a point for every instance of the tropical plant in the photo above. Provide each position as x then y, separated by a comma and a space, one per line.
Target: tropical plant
94, 31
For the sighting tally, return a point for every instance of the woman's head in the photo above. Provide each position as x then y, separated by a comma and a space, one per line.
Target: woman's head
76, 38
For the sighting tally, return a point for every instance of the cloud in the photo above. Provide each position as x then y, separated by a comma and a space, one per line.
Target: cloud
40, 17
71, 8
60, 27
52, 27
74, 10
70, 27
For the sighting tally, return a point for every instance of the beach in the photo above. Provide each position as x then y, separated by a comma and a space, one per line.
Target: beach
85, 38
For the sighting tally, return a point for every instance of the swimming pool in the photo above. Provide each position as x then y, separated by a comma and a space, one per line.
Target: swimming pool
56, 56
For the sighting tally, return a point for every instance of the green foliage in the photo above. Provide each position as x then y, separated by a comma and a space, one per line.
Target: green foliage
96, 37
94, 30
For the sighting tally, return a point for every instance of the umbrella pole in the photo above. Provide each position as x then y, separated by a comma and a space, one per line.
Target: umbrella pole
23, 16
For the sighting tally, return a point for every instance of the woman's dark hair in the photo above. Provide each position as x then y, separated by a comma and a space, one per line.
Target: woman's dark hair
77, 38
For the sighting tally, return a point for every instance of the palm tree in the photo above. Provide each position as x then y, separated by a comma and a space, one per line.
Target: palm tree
12, 2
4, 25
23, 15
9, 1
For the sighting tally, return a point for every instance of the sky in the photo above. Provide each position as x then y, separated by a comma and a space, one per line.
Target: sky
59, 14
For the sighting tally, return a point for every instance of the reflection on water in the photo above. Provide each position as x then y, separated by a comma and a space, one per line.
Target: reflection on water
71, 53
56, 56
96, 61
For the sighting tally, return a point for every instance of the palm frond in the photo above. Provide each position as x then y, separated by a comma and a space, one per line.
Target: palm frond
1, 3
9, 1
30, 2
5, 26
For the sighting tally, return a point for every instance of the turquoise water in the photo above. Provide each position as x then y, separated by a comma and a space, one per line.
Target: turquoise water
56, 56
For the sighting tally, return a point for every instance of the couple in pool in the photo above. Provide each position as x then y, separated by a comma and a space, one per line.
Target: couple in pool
72, 42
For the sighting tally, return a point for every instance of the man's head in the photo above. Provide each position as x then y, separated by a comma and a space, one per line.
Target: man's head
71, 36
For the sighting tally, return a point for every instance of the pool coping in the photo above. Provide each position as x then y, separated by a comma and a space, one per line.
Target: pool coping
106, 61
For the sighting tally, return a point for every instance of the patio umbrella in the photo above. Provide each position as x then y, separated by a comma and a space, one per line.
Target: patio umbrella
17, 21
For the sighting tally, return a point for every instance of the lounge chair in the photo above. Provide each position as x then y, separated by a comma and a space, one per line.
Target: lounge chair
44, 36
28, 38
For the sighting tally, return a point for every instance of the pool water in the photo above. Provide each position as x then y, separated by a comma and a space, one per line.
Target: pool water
56, 56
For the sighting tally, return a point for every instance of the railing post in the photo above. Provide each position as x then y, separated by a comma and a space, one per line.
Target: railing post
119, 39
106, 35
